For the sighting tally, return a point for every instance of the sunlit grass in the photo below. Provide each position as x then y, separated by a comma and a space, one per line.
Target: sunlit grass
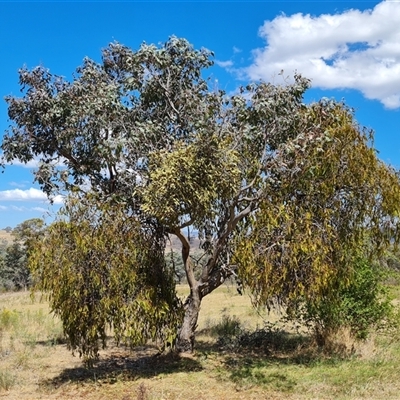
26, 330
240, 354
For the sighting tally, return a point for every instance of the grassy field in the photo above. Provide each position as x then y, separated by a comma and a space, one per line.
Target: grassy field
35, 364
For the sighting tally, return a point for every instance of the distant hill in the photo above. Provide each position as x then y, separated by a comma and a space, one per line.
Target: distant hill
6, 239
177, 245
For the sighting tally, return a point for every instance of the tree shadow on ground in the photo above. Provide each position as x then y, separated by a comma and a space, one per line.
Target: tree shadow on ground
260, 357
145, 362
243, 356
273, 345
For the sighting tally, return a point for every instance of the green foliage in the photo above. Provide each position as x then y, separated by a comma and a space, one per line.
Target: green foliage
283, 195
227, 327
190, 180
102, 271
333, 197
8, 318
175, 263
28, 230
360, 304
14, 271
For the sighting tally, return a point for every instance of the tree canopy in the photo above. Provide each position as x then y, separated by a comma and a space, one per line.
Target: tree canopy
283, 195
334, 202
102, 270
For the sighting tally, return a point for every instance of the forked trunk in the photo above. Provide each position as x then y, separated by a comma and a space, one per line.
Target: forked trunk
198, 289
185, 339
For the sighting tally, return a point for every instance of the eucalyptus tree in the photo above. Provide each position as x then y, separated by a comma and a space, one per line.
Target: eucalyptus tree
15, 272
282, 194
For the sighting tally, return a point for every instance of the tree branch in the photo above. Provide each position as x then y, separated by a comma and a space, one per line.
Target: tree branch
185, 257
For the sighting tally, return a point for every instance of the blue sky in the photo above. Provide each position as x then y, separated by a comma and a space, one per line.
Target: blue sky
350, 50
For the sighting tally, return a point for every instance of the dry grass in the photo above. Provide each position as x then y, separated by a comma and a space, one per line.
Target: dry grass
6, 235
266, 365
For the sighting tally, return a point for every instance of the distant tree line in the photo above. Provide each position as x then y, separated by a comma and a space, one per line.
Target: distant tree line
14, 271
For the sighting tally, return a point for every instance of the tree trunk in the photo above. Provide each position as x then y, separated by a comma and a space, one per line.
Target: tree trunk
185, 339
210, 280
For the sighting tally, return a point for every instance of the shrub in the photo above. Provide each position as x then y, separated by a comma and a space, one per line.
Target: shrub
228, 326
6, 380
8, 318
360, 305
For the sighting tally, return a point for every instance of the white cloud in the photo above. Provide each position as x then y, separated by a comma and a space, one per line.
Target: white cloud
19, 209
355, 49
58, 199
23, 195
40, 209
19, 184
224, 64
33, 164
31, 194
